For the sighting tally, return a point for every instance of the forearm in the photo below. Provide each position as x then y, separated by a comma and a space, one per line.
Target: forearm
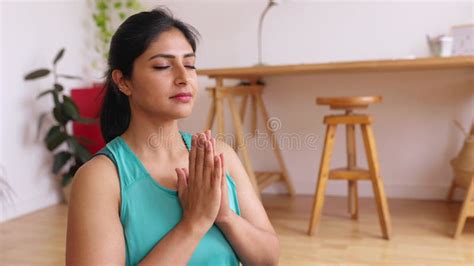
254, 246
177, 247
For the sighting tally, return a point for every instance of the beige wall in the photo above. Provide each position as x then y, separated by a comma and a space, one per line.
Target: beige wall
414, 129
415, 134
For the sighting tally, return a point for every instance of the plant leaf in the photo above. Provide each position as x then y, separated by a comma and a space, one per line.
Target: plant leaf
70, 108
59, 115
79, 151
67, 177
58, 87
56, 98
69, 76
60, 159
54, 138
37, 74
44, 93
58, 56
40, 123
85, 120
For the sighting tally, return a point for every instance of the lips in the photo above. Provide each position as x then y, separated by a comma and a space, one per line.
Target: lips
182, 95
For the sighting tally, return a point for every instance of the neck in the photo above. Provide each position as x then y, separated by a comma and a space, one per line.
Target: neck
153, 136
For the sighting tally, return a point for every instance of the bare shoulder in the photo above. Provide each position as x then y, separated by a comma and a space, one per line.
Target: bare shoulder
230, 156
97, 177
94, 231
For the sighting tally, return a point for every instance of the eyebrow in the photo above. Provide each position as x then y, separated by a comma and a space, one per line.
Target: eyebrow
170, 56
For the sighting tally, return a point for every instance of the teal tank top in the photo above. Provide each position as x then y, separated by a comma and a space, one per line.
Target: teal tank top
149, 211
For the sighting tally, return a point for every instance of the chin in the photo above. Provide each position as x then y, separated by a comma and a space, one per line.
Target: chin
181, 113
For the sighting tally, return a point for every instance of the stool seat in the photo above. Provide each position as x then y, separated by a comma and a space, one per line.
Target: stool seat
348, 103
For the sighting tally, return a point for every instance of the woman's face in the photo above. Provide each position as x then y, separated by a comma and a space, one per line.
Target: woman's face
164, 80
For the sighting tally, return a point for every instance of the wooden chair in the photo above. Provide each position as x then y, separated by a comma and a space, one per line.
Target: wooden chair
351, 173
467, 208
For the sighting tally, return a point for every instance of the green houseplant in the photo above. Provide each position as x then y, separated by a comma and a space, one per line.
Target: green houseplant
69, 157
107, 15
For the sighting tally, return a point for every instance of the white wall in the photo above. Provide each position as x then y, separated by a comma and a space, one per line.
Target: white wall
32, 34
414, 130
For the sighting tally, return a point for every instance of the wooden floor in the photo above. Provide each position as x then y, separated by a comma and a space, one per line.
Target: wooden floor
422, 234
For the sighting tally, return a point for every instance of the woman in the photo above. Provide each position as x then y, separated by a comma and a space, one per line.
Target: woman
154, 194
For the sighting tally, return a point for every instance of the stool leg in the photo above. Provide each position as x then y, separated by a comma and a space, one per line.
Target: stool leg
212, 112
219, 108
377, 184
254, 115
353, 203
275, 146
353, 199
467, 209
323, 176
451, 191
243, 107
240, 143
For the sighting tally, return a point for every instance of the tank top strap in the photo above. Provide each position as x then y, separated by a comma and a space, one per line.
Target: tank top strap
187, 139
128, 168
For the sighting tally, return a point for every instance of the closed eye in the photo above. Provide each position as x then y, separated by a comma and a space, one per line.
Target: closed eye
161, 67
165, 67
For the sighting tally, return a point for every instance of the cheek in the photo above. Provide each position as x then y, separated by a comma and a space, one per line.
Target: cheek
151, 86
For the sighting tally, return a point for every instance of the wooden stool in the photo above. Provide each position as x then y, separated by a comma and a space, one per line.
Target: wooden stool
467, 208
219, 94
351, 173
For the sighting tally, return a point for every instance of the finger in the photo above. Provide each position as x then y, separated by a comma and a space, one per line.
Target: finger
181, 181
186, 171
218, 171
209, 137
209, 164
186, 175
198, 175
192, 156
224, 178
208, 134
213, 142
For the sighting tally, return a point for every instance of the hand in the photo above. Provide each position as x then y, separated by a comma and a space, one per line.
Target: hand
224, 209
199, 190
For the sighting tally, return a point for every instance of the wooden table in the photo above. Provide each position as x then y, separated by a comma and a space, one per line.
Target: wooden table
253, 88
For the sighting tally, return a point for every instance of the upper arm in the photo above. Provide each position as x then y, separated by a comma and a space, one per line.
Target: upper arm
251, 207
94, 230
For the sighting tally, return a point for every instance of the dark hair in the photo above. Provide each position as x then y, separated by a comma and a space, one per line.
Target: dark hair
130, 40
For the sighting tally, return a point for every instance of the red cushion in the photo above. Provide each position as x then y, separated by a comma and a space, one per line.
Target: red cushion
89, 102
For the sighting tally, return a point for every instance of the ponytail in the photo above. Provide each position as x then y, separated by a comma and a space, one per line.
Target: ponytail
115, 114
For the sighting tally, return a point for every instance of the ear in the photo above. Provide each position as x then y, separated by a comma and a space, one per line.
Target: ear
121, 82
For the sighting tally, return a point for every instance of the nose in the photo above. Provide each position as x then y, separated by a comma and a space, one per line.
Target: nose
181, 75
